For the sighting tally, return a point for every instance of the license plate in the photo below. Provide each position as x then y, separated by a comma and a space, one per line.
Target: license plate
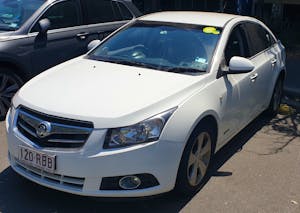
37, 159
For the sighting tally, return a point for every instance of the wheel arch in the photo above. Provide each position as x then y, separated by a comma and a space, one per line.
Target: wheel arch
17, 68
211, 120
210, 117
279, 75
282, 74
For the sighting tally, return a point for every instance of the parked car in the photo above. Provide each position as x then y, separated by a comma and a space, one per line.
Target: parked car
38, 34
144, 112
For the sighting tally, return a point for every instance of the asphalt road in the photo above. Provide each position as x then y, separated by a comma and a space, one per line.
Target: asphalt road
258, 171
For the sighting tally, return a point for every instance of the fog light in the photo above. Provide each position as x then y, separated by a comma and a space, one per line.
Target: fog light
137, 181
130, 182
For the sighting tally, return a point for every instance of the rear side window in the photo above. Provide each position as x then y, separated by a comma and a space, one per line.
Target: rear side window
259, 38
236, 45
62, 15
100, 11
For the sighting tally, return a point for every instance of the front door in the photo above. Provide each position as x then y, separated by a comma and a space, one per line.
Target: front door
63, 40
237, 91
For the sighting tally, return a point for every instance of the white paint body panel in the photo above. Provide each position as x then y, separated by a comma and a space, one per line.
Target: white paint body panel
83, 81
111, 95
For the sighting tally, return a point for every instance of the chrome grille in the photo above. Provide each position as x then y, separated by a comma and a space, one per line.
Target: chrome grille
64, 133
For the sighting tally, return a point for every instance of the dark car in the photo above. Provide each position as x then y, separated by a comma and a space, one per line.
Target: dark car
38, 34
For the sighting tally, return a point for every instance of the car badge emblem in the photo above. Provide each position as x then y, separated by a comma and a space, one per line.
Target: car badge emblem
43, 129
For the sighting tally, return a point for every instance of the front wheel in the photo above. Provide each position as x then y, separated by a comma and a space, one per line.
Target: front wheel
196, 160
276, 98
10, 83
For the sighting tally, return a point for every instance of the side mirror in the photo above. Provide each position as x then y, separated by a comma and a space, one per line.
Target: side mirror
93, 44
240, 65
44, 25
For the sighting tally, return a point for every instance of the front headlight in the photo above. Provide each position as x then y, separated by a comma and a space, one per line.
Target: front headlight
146, 131
10, 116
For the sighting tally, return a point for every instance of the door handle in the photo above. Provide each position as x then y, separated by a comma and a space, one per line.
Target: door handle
253, 77
82, 36
273, 61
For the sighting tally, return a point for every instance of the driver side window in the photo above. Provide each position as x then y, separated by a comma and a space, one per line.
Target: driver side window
236, 45
61, 15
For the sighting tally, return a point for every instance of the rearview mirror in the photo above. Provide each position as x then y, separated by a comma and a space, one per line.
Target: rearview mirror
93, 44
44, 25
240, 65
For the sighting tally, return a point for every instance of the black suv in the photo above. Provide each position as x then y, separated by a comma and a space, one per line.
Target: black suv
38, 34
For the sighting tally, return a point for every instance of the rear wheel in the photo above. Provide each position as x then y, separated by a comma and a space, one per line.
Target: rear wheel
196, 160
10, 83
276, 98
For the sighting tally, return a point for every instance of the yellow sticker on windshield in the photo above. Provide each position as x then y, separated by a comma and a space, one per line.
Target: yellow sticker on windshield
217, 32
211, 30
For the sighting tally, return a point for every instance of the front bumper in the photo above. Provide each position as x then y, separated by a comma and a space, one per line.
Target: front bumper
81, 171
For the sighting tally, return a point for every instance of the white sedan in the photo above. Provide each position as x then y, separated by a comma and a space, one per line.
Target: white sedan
145, 111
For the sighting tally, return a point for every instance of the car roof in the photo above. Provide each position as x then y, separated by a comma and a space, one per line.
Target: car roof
189, 17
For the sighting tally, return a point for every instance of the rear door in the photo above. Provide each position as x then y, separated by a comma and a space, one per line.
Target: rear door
261, 56
274, 53
102, 17
63, 40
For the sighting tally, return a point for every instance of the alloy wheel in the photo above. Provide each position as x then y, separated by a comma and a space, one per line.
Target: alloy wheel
8, 87
199, 158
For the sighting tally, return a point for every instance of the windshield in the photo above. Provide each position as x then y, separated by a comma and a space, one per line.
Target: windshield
177, 48
13, 13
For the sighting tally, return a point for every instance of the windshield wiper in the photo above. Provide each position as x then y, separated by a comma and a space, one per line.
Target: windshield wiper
150, 66
129, 63
184, 70
6, 28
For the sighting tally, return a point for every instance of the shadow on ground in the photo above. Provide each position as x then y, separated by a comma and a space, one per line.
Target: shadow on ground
20, 195
287, 127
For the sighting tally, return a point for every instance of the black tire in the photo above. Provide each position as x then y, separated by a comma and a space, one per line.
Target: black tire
10, 83
274, 105
183, 182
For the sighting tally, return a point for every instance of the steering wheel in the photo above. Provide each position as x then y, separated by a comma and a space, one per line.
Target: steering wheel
139, 52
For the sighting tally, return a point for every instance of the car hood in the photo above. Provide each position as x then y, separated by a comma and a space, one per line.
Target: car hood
110, 95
